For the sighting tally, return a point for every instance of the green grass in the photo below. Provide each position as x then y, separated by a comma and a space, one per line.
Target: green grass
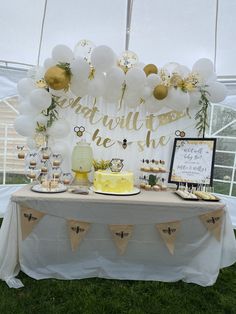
98, 296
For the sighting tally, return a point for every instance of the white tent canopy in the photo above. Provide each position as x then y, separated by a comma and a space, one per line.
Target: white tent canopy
160, 31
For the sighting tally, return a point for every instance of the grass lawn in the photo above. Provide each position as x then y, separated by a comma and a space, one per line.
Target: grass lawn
98, 296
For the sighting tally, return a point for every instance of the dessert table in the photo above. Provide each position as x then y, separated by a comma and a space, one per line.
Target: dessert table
46, 251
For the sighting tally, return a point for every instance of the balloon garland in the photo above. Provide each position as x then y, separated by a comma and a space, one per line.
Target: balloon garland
98, 72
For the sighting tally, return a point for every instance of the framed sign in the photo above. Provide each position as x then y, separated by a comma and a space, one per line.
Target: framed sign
192, 161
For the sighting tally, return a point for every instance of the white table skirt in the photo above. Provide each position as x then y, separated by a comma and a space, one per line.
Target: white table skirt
46, 252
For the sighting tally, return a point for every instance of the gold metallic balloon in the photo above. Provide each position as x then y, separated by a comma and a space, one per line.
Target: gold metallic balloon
150, 68
160, 92
176, 80
57, 78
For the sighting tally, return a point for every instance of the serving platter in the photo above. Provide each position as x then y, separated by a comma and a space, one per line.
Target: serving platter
134, 192
40, 189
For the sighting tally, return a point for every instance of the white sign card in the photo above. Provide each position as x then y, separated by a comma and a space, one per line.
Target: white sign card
192, 161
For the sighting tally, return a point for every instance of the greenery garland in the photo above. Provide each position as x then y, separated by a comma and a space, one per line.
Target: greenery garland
202, 115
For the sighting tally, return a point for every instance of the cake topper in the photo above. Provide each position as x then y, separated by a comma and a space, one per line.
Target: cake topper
116, 164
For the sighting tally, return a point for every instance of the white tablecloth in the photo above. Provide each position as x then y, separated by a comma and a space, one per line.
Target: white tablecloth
46, 252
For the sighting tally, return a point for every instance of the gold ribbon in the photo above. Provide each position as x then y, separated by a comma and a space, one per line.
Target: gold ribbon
121, 235
29, 219
168, 232
213, 222
77, 231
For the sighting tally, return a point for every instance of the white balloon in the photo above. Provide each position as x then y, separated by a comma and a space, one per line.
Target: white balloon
25, 108
40, 99
41, 119
147, 92
79, 87
194, 98
48, 63
132, 100
170, 67
84, 49
212, 78
217, 92
139, 65
25, 125
59, 129
182, 70
153, 105
177, 99
60, 147
62, 53
115, 77
103, 58
135, 78
112, 94
31, 143
204, 67
25, 86
153, 80
96, 86
80, 68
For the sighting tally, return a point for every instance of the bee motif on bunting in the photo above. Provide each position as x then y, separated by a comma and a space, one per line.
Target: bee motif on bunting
30, 217
77, 229
213, 220
169, 230
122, 234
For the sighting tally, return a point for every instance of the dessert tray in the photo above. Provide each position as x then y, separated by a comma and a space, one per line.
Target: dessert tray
206, 197
134, 192
40, 189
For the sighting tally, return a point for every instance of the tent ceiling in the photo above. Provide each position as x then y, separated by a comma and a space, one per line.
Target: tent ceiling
161, 30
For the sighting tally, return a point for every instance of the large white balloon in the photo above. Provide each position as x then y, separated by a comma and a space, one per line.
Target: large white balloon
96, 86
25, 108
135, 78
103, 58
41, 119
25, 86
80, 68
112, 94
182, 70
170, 67
177, 99
79, 87
62, 53
25, 125
153, 80
59, 129
40, 99
204, 67
217, 92
153, 105
115, 77
131, 99
147, 92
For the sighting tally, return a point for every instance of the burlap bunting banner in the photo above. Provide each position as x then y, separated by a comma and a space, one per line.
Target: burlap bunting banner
29, 218
168, 232
213, 222
77, 231
121, 235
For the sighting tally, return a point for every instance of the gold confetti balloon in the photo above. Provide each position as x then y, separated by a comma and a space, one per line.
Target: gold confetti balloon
176, 80
160, 92
150, 69
57, 78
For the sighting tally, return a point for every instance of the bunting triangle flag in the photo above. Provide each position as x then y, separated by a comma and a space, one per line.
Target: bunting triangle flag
213, 222
121, 235
29, 219
168, 232
77, 231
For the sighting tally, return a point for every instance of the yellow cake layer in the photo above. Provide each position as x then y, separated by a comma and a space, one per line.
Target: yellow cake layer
114, 182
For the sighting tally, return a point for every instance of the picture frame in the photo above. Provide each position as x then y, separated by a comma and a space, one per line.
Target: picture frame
192, 161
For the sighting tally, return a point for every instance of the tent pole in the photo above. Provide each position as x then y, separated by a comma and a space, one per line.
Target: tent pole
41, 33
128, 23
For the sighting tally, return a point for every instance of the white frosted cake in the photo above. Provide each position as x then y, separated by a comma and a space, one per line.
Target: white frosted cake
114, 182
